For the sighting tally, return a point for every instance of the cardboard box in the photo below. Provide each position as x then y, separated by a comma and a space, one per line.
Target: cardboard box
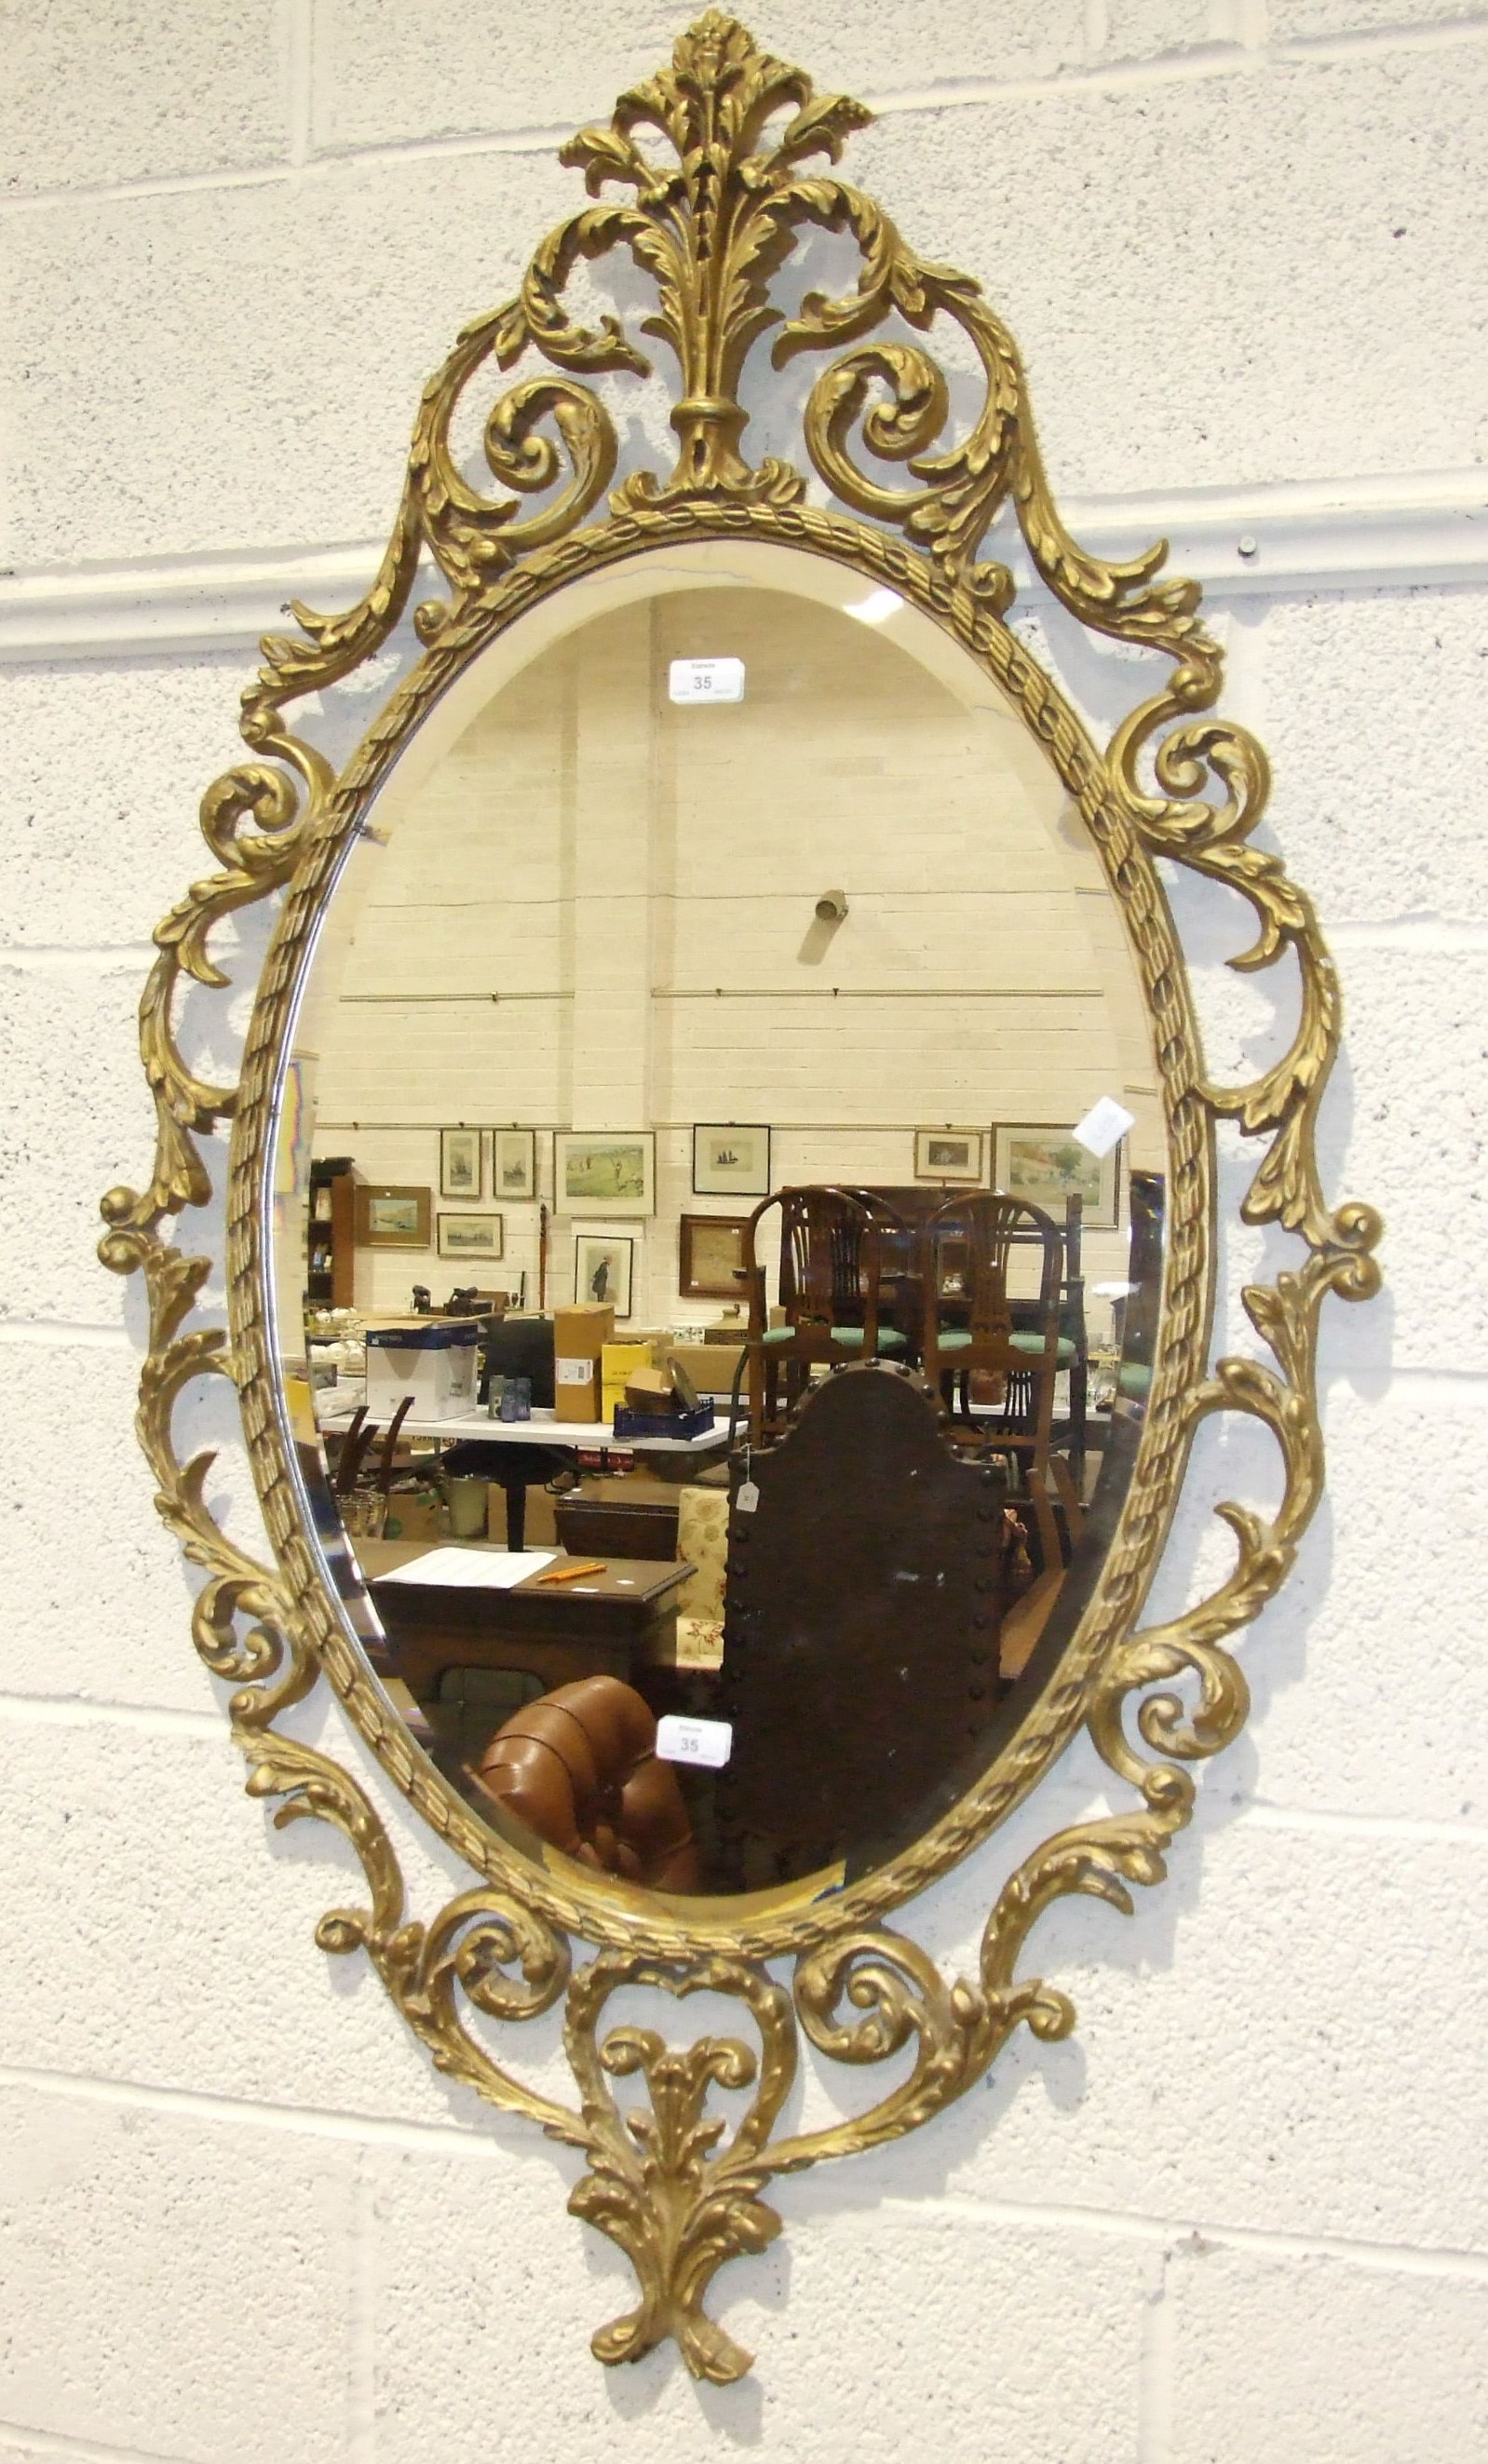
416, 1514
639, 1487
431, 1359
619, 1361
710, 1365
579, 1335
649, 1389
539, 1531
583, 1331
576, 1391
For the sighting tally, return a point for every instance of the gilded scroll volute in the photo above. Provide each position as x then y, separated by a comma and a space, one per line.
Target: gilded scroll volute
709, 207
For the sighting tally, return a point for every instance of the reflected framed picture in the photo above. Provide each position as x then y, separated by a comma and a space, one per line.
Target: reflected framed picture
602, 1266
710, 1256
459, 1164
948, 1154
396, 1218
470, 1236
514, 1164
1043, 1163
605, 1172
731, 1160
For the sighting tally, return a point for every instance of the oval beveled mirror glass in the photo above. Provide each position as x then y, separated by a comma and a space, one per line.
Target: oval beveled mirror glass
722, 1209
721, 1223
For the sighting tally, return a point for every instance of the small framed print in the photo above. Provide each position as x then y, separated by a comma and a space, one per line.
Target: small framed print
948, 1154
393, 1218
470, 1236
514, 1164
731, 1160
602, 1265
710, 1256
605, 1172
459, 1164
1043, 1163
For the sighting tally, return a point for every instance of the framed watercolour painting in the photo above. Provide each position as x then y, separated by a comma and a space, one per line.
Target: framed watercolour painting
710, 1256
948, 1154
470, 1236
393, 1217
1043, 1162
605, 1172
514, 1164
459, 1164
602, 1268
730, 1161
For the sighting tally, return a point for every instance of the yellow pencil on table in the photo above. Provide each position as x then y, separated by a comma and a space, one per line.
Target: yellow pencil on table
571, 1573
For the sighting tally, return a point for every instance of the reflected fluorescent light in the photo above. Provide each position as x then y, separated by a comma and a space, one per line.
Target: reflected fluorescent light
878, 606
1113, 1291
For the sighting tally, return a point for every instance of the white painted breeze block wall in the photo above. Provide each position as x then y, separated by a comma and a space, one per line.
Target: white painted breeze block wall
1240, 2215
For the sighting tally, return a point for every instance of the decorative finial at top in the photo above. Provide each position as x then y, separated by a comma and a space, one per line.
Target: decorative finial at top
713, 229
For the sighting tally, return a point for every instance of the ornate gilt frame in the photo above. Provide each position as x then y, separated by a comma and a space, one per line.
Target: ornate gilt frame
712, 223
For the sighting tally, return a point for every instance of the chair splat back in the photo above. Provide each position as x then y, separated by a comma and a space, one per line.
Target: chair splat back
969, 1246
830, 1274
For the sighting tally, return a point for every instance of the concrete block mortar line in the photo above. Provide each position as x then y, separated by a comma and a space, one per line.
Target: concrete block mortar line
1273, 540
1440, 35
1243, 49
17, 2438
299, 82
1204, 2233
1268, 1814
489, 2140
1155, 2364
1237, 56
106, 958
1215, 58
160, 184
82, 1711
362, 2319
61, 1334
321, 167
1425, 1389
1435, 936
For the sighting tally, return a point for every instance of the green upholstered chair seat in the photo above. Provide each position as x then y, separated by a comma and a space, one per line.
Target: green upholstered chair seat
959, 1338
1033, 1344
847, 1338
850, 1338
1134, 1380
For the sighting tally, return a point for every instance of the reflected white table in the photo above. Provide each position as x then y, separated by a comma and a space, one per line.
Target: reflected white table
333, 1414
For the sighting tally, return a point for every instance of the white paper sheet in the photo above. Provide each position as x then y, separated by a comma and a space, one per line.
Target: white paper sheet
1102, 1125
477, 1570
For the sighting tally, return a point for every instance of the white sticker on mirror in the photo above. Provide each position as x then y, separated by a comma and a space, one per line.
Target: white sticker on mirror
707, 681
707, 1742
1102, 1125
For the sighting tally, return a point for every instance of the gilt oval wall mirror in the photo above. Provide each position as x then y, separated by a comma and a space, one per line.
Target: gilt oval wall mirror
722, 1217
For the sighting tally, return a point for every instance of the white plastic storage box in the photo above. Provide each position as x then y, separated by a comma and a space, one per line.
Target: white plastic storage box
431, 1359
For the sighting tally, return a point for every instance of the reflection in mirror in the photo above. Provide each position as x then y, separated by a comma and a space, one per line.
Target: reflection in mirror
719, 1224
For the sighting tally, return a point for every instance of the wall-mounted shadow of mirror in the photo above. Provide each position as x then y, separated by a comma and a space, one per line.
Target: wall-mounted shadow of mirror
720, 1233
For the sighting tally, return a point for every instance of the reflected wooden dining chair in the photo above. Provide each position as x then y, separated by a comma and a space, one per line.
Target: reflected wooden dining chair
967, 1249
831, 1264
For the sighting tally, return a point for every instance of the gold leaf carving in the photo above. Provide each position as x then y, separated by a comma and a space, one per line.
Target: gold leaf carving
710, 208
